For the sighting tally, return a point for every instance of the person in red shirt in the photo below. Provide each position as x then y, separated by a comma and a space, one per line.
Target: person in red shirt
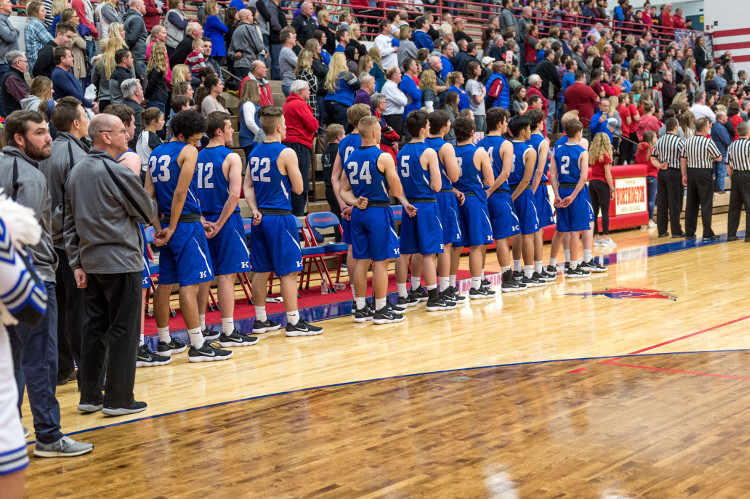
601, 186
626, 147
301, 126
648, 121
535, 84
643, 157
733, 111
677, 20
666, 19
151, 17
582, 98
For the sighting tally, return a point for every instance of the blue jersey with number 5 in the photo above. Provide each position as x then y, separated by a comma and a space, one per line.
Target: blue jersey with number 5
414, 179
165, 172
272, 189
567, 157
213, 186
361, 169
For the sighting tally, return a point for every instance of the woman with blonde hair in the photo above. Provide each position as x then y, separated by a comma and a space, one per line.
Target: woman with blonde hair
687, 123
175, 22
249, 124
304, 72
428, 86
710, 82
107, 14
215, 30
377, 67
40, 97
324, 25
180, 72
601, 186
103, 68
342, 86
406, 48
156, 78
365, 66
55, 11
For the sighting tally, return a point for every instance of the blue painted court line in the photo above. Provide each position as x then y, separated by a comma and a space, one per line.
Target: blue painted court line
344, 308
401, 376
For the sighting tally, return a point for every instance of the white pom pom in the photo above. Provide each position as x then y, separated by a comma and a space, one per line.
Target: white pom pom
20, 221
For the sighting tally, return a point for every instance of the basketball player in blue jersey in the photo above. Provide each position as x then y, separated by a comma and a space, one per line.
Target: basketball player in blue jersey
475, 167
568, 173
448, 200
184, 258
348, 145
219, 176
369, 174
419, 172
272, 175
519, 182
503, 218
539, 187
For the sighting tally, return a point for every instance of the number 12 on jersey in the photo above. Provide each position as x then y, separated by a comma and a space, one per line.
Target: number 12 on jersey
205, 175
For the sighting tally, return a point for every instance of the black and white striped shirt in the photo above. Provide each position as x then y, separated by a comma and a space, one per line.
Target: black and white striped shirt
668, 149
738, 155
700, 152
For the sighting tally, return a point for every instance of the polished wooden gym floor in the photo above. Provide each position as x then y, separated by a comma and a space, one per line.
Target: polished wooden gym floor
634, 383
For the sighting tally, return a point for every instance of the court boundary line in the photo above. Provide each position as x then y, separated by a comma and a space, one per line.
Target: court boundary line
399, 376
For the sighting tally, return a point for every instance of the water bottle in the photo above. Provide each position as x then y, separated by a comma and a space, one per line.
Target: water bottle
324, 288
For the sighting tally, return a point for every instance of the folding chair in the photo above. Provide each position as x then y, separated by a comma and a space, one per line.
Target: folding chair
398, 212
314, 255
327, 220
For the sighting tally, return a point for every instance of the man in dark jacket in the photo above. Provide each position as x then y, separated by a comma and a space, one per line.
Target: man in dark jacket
192, 32
132, 94
136, 35
13, 86
551, 83
247, 44
44, 64
276, 19
123, 71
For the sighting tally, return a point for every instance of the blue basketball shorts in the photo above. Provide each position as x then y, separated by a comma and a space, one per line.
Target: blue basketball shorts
228, 248
525, 206
422, 233
475, 222
346, 230
374, 234
576, 216
503, 215
185, 260
543, 206
274, 245
587, 195
448, 208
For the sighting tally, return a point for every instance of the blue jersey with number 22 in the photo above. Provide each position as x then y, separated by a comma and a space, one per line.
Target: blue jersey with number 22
272, 188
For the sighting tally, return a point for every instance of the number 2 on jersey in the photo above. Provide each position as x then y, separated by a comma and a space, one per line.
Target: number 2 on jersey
565, 165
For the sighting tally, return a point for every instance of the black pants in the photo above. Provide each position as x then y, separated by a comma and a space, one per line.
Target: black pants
700, 194
395, 121
669, 200
111, 325
299, 201
69, 313
739, 195
600, 199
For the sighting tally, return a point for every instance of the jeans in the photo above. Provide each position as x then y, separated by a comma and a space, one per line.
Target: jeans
719, 174
651, 186
335, 113
275, 71
70, 310
35, 367
111, 328
286, 89
551, 114
299, 201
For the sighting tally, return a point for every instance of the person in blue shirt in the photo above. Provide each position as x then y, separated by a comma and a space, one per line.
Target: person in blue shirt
498, 89
368, 180
569, 78
219, 175
409, 87
419, 171
475, 171
184, 257
503, 215
568, 172
64, 82
420, 37
272, 175
600, 120
447, 55
456, 82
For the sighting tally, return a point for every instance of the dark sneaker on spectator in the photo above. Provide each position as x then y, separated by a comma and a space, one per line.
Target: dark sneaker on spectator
260, 327
174, 346
133, 408
208, 353
303, 328
237, 339
65, 447
147, 358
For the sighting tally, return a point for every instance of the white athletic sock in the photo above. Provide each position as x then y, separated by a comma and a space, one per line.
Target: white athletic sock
227, 325
587, 255
431, 286
163, 334
579, 261
566, 252
482, 274
573, 265
141, 340
476, 282
260, 313
292, 317
361, 302
196, 337
553, 261
538, 266
528, 270
379, 303
444, 282
203, 321
401, 287
505, 269
354, 295
452, 280
517, 266
415, 282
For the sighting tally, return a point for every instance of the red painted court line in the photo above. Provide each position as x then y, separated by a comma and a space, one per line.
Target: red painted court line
577, 370
712, 328
678, 371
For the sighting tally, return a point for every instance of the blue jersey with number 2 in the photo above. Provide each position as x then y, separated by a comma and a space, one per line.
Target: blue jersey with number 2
362, 171
165, 172
272, 189
567, 158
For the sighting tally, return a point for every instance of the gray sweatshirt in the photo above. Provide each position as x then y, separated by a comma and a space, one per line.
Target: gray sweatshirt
8, 37
31, 192
101, 225
246, 39
67, 150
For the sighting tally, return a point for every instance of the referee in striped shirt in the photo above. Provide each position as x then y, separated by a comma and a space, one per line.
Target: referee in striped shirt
738, 166
697, 174
666, 157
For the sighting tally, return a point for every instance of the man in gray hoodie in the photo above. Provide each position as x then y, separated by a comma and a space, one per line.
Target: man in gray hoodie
104, 202
35, 347
136, 35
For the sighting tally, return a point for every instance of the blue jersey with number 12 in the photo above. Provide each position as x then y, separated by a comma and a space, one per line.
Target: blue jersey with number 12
272, 188
165, 172
361, 169
213, 186
567, 158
